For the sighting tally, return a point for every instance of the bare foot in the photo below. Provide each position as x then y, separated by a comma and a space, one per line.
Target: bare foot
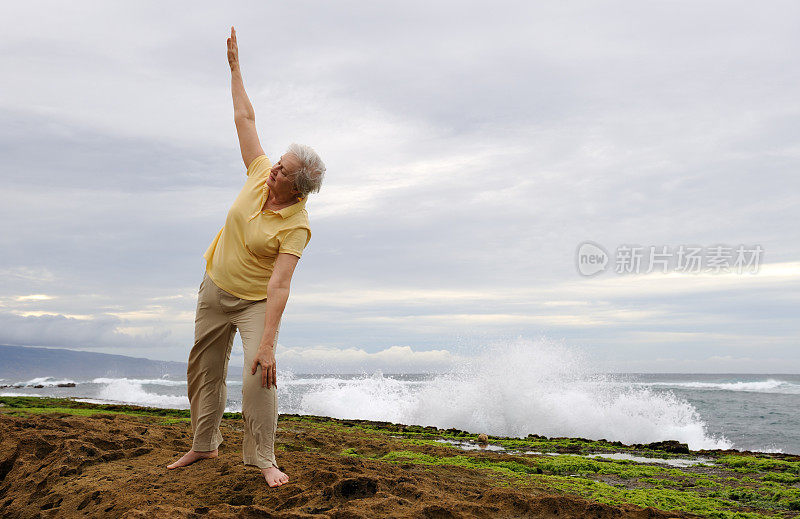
192, 456
274, 476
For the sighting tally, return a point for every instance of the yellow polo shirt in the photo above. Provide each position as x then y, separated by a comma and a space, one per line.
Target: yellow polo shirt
242, 255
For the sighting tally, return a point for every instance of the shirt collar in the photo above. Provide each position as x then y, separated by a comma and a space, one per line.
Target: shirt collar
286, 212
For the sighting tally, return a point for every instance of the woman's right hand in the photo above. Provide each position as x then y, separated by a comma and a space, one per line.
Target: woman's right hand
233, 50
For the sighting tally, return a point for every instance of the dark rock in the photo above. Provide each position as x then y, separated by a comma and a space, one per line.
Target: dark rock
130, 443
239, 500
7, 463
141, 451
354, 488
672, 446
315, 509
439, 512
113, 455
94, 496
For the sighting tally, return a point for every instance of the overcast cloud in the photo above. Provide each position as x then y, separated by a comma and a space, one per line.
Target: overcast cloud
471, 147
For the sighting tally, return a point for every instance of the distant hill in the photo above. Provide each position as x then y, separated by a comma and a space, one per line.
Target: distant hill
19, 363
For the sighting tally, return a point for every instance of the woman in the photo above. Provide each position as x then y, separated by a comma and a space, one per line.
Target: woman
249, 267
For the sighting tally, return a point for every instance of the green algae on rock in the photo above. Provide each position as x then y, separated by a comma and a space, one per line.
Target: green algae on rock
726, 484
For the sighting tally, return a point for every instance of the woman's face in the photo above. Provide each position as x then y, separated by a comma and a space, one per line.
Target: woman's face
281, 176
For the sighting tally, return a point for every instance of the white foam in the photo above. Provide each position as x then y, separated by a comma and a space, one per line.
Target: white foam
46, 381
764, 386
126, 391
152, 381
20, 394
91, 400
672, 462
769, 448
516, 388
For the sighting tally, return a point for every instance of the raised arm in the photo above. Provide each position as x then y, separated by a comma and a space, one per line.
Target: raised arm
243, 114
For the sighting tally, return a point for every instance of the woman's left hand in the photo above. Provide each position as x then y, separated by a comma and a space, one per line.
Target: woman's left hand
266, 359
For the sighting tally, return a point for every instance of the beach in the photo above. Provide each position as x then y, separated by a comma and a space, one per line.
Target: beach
60, 457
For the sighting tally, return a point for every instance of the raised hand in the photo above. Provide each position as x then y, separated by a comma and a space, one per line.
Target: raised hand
233, 50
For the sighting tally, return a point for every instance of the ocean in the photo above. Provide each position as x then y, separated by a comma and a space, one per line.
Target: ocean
757, 412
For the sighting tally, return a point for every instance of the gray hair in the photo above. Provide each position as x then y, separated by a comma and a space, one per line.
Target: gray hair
307, 179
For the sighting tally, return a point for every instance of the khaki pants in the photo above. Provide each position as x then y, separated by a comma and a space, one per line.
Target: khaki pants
219, 315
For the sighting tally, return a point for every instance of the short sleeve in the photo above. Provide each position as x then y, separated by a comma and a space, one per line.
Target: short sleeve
295, 241
260, 166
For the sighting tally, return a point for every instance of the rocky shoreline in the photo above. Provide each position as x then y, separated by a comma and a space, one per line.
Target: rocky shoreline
17, 386
60, 457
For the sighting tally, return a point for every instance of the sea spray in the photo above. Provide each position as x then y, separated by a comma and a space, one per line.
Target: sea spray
515, 388
370, 397
131, 391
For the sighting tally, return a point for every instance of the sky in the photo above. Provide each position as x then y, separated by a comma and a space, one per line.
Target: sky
471, 148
